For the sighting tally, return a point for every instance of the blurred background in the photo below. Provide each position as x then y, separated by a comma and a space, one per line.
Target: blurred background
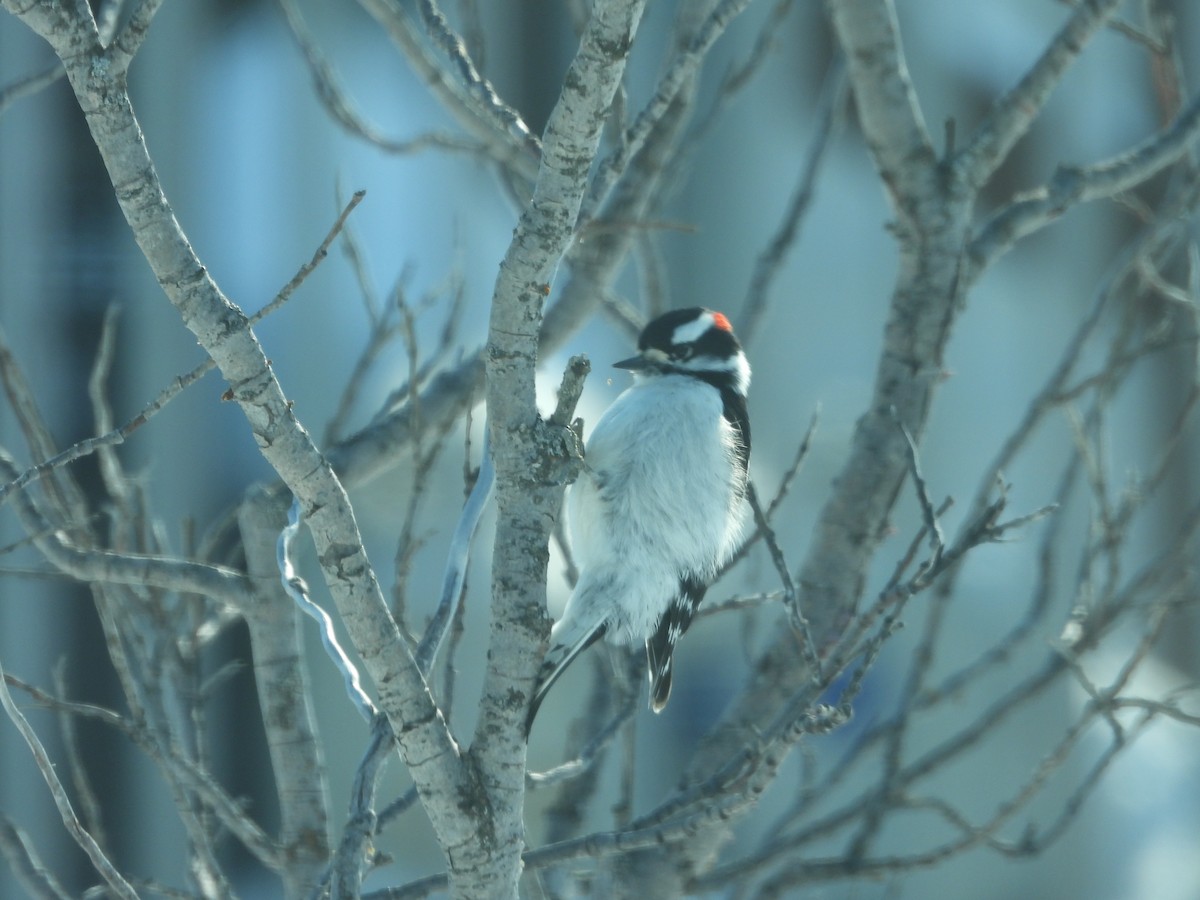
257, 172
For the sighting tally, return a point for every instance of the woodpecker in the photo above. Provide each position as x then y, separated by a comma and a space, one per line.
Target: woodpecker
658, 508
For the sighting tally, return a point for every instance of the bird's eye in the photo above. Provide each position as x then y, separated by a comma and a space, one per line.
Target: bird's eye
682, 351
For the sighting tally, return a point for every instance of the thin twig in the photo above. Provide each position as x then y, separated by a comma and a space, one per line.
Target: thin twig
457, 559
89, 803
285, 293
30, 85
92, 565
348, 862
179, 768
1073, 185
91, 445
478, 87
341, 108
588, 753
682, 69
937, 541
767, 268
298, 591
115, 880
808, 647
26, 864
1013, 113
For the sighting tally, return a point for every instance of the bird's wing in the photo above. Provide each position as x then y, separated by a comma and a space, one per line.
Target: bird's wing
565, 645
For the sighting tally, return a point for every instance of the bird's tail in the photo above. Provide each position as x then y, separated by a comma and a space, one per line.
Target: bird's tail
660, 647
659, 662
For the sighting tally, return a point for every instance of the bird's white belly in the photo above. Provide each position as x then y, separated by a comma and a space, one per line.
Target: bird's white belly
658, 499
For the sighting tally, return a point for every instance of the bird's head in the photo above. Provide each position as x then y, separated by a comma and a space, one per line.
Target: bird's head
695, 341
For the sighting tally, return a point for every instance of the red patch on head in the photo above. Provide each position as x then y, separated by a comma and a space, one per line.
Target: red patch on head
721, 322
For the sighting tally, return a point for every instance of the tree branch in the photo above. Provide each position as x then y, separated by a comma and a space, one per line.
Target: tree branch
223, 330
88, 565
1071, 186
679, 75
115, 880
474, 103
534, 459
285, 700
888, 110
1015, 111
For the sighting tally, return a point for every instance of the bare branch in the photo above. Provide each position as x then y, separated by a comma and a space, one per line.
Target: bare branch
1015, 112
26, 864
113, 437
937, 541
115, 481
590, 752
30, 85
129, 40
830, 110
63, 493
285, 293
799, 623
341, 109
478, 87
682, 71
115, 880
285, 694
1073, 185
298, 591
471, 103
888, 110
88, 802
86, 565
178, 767
346, 868
456, 563
223, 330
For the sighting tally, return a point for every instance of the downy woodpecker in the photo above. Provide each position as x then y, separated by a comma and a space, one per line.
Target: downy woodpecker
658, 507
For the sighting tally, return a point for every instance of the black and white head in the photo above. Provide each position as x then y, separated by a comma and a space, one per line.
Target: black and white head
693, 341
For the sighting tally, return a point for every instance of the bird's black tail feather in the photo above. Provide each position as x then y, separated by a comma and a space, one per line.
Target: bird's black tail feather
660, 648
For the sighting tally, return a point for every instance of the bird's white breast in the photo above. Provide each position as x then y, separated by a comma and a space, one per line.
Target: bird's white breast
658, 498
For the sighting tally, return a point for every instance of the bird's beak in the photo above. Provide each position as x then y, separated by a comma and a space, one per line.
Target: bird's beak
634, 363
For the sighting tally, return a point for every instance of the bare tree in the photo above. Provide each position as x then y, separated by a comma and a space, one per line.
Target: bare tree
762, 804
